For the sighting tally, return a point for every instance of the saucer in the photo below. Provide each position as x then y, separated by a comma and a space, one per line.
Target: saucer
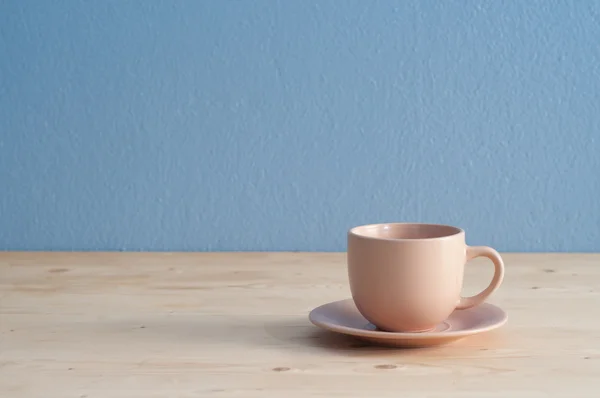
343, 317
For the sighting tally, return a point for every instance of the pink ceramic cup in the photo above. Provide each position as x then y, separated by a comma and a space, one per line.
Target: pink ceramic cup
408, 277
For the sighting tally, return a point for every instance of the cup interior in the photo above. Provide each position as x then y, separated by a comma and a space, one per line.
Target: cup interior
405, 231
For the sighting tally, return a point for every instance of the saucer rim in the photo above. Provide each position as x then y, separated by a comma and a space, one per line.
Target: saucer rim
407, 335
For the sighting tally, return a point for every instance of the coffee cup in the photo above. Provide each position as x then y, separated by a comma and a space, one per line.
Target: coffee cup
407, 277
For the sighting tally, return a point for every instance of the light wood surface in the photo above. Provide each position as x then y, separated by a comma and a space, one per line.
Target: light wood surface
147, 325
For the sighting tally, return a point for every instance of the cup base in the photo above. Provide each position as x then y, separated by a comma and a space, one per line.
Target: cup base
431, 329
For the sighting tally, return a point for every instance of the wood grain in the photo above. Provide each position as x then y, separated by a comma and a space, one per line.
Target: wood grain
147, 325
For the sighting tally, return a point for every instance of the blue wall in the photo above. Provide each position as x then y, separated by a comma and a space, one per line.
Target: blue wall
277, 125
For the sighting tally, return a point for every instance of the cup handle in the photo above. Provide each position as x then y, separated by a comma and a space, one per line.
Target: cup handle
483, 251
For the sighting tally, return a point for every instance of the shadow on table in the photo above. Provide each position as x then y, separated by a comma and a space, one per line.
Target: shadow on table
286, 333
299, 334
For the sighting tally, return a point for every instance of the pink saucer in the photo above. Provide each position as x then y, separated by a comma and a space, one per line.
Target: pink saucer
343, 317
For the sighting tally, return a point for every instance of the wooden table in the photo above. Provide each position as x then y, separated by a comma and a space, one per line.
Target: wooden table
235, 325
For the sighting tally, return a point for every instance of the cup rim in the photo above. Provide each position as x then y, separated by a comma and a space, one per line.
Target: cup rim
355, 231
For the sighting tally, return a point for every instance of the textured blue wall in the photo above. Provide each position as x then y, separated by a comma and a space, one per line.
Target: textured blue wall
277, 125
